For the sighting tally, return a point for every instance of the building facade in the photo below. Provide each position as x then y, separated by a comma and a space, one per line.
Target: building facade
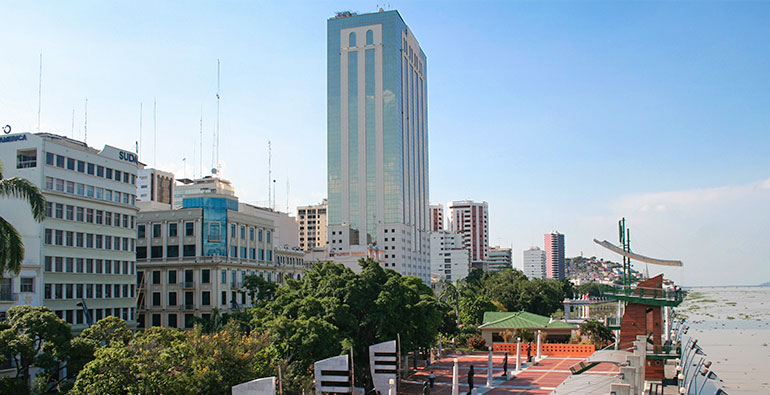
436, 217
533, 263
312, 221
84, 250
208, 184
378, 140
154, 189
470, 219
196, 258
448, 257
499, 259
554, 255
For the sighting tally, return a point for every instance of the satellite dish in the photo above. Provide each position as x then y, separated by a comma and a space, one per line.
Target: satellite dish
7, 129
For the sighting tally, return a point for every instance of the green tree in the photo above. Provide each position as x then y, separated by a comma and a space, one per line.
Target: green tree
11, 245
258, 288
597, 333
36, 337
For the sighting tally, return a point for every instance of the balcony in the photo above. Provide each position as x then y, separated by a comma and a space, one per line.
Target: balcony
236, 285
188, 284
187, 307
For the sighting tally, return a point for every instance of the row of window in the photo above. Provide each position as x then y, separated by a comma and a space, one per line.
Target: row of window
189, 302
206, 276
88, 215
58, 264
89, 191
77, 317
88, 291
26, 284
189, 230
88, 240
172, 320
172, 251
89, 168
234, 233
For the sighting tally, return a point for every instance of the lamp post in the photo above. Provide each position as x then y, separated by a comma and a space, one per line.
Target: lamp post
518, 354
455, 378
489, 368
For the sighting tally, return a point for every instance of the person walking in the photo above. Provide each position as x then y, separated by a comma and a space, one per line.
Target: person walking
505, 365
470, 380
431, 378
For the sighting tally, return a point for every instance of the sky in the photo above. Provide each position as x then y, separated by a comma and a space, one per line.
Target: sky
561, 115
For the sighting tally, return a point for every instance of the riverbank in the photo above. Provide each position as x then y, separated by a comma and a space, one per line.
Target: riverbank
732, 326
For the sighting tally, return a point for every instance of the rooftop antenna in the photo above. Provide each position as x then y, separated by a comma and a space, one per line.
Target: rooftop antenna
85, 124
200, 160
287, 195
273, 207
72, 133
269, 173
39, 91
155, 133
140, 130
218, 98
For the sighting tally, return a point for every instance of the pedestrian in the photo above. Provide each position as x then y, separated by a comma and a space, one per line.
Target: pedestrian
505, 365
470, 380
431, 378
529, 352
425, 390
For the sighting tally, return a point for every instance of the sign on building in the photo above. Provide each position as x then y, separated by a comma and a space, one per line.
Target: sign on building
333, 375
383, 363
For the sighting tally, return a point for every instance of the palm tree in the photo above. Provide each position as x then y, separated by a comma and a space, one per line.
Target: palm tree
11, 245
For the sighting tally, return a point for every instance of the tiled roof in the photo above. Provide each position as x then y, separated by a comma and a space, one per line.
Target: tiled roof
520, 319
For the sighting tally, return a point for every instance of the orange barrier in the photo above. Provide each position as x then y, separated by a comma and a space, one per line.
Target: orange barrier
550, 349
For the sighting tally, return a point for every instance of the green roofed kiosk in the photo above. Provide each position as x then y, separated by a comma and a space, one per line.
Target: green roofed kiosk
496, 323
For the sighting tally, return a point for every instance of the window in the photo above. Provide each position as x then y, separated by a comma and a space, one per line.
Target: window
59, 237
59, 211
140, 231
90, 168
26, 158
141, 252
206, 298
215, 231
81, 166
100, 171
352, 39
259, 235
108, 173
156, 320
232, 230
156, 276
205, 276
81, 189
99, 216
60, 161
156, 298
117, 175
267, 236
172, 251
243, 232
172, 276
189, 229
49, 158
156, 252
189, 250
188, 321
156, 230
90, 215
223, 275
171, 227
70, 212
27, 284
172, 298
172, 321
251, 234
224, 298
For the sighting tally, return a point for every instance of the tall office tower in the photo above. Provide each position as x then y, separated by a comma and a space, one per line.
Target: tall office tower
312, 222
378, 140
534, 263
554, 252
84, 249
470, 219
436, 218
448, 258
499, 259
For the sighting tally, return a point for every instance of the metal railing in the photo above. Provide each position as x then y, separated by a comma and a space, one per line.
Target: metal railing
188, 284
644, 292
9, 296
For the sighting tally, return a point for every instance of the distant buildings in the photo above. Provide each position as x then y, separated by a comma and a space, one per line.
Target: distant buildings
499, 259
207, 184
554, 253
154, 189
534, 263
377, 143
84, 250
436, 217
470, 219
312, 221
448, 257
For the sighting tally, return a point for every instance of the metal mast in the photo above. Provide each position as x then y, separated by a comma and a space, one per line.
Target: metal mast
155, 133
39, 91
625, 244
200, 160
85, 124
140, 130
218, 97
269, 174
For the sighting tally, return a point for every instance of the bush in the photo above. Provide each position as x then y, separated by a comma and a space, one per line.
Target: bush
477, 342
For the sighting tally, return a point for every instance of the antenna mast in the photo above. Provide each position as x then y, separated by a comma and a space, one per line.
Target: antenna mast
72, 133
140, 130
155, 133
39, 91
85, 124
200, 160
269, 174
218, 97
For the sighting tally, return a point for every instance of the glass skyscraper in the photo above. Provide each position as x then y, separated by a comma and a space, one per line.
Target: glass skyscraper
378, 139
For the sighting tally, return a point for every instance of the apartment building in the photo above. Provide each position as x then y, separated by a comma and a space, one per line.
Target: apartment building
555, 264
312, 221
499, 259
533, 263
436, 217
79, 261
449, 259
470, 219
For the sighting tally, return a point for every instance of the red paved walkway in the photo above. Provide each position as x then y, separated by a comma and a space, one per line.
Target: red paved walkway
541, 378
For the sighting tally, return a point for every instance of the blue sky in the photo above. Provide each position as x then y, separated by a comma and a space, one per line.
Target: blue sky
562, 115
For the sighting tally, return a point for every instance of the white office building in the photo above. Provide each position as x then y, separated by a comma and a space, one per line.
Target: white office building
533, 263
448, 257
84, 250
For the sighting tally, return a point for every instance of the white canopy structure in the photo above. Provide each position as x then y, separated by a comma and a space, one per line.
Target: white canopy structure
665, 262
